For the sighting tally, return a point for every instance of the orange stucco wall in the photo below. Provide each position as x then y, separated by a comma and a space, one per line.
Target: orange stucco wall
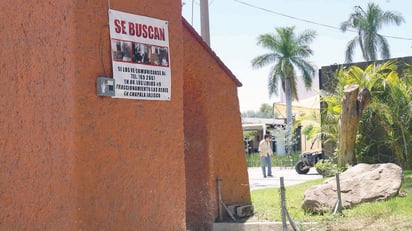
37, 124
71, 160
213, 136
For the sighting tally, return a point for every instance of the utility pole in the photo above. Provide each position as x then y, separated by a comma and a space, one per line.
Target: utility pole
204, 21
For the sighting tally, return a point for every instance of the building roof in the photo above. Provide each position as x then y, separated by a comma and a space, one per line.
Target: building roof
209, 50
309, 103
248, 120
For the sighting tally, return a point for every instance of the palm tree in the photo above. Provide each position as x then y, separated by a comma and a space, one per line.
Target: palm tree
367, 24
391, 113
288, 52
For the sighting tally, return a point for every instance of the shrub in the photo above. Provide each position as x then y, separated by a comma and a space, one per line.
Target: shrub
328, 167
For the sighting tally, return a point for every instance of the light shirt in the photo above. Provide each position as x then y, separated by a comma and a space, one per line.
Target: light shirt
265, 148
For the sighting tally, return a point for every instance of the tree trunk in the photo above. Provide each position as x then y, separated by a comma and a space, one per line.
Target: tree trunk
352, 107
289, 133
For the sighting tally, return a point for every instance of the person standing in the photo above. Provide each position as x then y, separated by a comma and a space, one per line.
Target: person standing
265, 152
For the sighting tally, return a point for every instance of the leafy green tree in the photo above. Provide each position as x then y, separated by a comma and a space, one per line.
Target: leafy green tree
249, 114
288, 53
266, 110
386, 124
367, 24
330, 112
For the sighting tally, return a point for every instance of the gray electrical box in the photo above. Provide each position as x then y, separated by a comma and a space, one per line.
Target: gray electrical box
105, 86
241, 211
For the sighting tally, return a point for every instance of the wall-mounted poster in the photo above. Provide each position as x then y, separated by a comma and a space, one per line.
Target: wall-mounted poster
140, 56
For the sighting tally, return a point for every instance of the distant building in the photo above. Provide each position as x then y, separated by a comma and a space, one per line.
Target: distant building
262, 126
302, 110
305, 112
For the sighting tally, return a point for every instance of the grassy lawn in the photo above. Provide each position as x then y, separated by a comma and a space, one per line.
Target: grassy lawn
253, 160
392, 214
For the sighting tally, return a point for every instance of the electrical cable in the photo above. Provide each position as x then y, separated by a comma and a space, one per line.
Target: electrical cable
309, 21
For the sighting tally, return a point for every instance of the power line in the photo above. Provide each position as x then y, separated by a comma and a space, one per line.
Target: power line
309, 21
287, 16
197, 3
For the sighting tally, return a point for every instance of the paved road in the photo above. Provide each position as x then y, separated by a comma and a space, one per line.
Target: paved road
290, 177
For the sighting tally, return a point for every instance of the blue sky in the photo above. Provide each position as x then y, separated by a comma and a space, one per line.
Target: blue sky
235, 26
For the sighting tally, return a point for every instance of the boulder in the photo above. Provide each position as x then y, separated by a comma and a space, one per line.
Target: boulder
359, 184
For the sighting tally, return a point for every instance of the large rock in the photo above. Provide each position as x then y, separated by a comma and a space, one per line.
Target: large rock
361, 183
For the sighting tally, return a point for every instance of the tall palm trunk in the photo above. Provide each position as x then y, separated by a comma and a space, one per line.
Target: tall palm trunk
288, 95
288, 52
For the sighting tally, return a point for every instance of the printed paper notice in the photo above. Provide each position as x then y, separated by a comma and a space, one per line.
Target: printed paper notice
140, 56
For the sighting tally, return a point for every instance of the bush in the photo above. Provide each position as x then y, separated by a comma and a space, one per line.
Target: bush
327, 167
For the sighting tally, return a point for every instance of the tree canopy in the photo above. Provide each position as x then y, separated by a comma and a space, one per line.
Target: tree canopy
367, 24
386, 124
288, 53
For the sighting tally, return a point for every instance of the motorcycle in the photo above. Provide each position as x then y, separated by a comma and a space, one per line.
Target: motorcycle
308, 160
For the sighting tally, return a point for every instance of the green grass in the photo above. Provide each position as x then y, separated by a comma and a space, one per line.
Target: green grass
392, 214
253, 160
267, 202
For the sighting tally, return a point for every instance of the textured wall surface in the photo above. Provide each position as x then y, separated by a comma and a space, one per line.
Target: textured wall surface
130, 155
37, 189
213, 135
71, 160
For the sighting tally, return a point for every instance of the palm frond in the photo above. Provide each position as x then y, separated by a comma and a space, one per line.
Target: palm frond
263, 60
368, 23
350, 48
